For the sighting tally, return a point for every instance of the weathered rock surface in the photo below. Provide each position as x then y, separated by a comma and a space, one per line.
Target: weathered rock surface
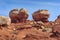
13, 15
57, 21
41, 15
26, 31
23, 15
23, 29
5, 21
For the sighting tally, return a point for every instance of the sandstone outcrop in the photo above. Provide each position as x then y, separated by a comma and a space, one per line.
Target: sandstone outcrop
23, 15
56, 31
42, 22
41, 15
13, 15
5, 21
22, 29
57, 21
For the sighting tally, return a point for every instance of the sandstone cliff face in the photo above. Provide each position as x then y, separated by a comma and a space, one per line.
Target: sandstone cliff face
38, 29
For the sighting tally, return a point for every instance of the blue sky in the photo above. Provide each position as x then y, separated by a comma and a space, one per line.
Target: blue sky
32, 5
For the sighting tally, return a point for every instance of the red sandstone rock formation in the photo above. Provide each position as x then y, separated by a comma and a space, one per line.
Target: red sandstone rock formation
5, 21
25, 32
40, 29
56, 31
23, 15
41, 15
57, 21
13, 15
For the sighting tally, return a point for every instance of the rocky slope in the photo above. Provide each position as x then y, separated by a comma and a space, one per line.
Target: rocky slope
40, 28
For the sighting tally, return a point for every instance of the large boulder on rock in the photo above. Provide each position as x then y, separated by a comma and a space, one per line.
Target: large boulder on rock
13, 15
23, 15
41, 15
5, 21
